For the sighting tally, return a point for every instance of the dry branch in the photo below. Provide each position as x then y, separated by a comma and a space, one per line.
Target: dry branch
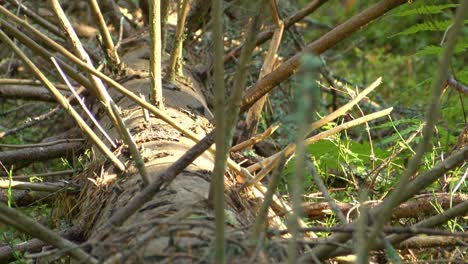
29, 155
327, 41
289, 21
27, 92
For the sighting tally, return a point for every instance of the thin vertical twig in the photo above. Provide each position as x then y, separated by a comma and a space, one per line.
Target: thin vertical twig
155, 57
308, 102
175, 62
109, 50
216, 192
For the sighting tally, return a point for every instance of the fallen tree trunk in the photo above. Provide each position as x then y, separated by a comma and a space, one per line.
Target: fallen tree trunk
177, 223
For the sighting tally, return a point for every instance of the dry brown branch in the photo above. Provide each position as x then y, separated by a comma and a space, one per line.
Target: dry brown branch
109, 49
327, 41
27, 92
288, 22
420, 242
29, 155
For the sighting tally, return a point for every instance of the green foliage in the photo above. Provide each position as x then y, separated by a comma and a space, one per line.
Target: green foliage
346, 156
424, 10
462, 76
437, 50
438, 25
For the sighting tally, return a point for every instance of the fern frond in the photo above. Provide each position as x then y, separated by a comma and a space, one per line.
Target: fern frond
437, 50
425, 10
439, 25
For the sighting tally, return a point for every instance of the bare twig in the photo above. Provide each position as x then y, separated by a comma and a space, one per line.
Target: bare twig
175, 63
457, 85
83, 105
327, 41
321, 186
109, 50
127, 137
261, 219
216, 191
156, 54
288, 22
253, 115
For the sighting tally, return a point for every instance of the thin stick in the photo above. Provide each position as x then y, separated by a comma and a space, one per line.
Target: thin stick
216, 192
156, 54
261, 219
254, 113
323, 189
175, 66
81, 102
109, 50
136, 155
